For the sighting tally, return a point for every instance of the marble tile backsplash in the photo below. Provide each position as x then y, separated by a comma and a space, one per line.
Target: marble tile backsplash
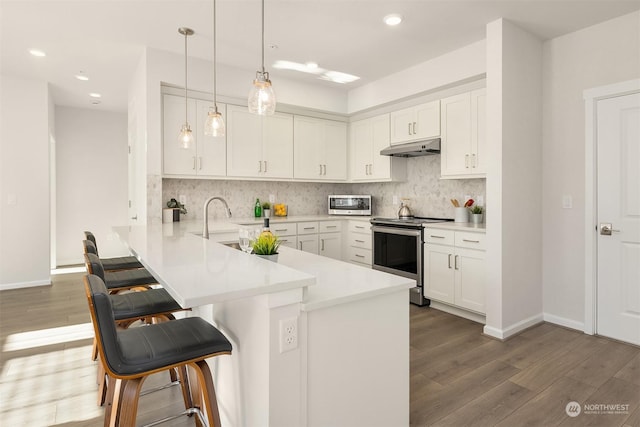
428, 194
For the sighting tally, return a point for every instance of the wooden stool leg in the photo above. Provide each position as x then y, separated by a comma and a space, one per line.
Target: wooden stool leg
205, 392
127, 407
184, 386
94, 349
113, 400
102, 384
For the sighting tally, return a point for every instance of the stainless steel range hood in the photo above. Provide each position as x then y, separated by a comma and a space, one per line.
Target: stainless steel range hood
413, 149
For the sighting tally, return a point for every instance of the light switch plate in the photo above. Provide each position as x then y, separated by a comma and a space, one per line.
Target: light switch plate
567, 202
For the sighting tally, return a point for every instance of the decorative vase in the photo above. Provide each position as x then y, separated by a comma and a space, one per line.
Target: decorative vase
272, 257
477, 218
461, 214
267, 213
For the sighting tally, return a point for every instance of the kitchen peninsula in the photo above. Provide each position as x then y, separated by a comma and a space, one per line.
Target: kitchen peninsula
346, 360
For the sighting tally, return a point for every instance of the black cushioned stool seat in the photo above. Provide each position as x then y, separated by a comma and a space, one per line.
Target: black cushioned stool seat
129, 356
111, 264
142, 304
122, 279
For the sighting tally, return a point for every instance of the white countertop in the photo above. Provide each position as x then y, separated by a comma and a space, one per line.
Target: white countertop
298, 218
196, 271
457, 226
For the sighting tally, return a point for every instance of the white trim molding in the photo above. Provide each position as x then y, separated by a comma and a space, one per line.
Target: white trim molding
514, 329
591, 97
20, 285
563, 321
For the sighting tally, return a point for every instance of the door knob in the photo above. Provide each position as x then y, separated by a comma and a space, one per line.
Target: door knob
135, 218
606, 228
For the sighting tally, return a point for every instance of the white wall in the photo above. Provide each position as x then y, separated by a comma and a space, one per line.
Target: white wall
454, 67
91, 180
514, 179
24, 183
599, 55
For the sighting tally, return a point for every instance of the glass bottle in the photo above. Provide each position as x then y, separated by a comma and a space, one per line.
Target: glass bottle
265, 228
257, 210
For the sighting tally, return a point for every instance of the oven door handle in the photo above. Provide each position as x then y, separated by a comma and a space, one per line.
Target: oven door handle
394, 230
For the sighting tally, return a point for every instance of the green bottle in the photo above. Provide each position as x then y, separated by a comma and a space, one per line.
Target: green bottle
257, 211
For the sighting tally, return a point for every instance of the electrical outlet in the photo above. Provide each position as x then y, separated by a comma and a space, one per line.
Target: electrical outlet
479, 200
288, 334
272, 198
182, 199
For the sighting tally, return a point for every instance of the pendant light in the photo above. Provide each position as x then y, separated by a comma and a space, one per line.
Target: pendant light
262, 99
186, 136
214, 125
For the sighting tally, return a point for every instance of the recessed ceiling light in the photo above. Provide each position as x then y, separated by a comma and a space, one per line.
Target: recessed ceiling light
312, 65
95, 95
339, 77
82, 76
37, 52
393, 19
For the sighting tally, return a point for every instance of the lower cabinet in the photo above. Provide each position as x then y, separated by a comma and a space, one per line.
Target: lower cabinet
330, 239
455, 268
358, 248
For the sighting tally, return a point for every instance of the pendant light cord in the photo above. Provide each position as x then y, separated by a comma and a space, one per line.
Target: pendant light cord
186, 113
263, 37
215, 103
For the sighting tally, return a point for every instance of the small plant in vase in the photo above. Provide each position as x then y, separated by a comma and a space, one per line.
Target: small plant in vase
476, 214
266, 209
266, 246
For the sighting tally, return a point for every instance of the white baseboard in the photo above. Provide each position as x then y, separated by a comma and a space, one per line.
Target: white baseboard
514, 329
563, 321
458, 311
19, 285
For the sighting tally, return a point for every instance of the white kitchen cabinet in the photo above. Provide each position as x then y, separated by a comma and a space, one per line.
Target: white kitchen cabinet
415, 123
206, 156
286, 232
308, 243
455, 268
320, 149
330, 239
367, 138
464, 135
358, 247
259, 146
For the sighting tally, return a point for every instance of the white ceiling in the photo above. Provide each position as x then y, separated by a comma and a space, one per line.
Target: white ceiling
105, 38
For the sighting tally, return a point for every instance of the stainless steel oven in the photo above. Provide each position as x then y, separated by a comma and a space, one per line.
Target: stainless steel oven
397, 249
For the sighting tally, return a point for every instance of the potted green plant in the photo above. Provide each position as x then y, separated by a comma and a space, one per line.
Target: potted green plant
266, 209
266, 246
476, 214
178, 208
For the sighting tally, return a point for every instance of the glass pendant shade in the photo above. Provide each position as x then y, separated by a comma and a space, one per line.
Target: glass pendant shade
262, 98
214, 125
186, 137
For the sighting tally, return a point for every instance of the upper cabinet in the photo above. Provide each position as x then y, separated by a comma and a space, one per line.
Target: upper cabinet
320, 149
206, 157
416, 123
259, 146
367, 138
464, 135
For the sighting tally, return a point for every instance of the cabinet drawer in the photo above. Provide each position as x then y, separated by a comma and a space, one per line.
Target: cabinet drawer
308, 227
330, 226
440, 237
358, 240
360, 227
470, 240
359, 255
289, 241
283, 229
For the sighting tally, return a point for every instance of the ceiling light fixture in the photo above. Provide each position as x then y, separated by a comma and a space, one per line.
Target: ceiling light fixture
312, 65
186, 136
329, 75
214, 125
393, 19
37, 52
95, 95
82, 76
262, 99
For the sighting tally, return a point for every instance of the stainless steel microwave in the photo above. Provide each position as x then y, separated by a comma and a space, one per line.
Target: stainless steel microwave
349, 205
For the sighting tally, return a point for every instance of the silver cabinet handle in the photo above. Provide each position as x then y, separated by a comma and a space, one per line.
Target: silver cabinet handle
466, 160
200, 161
265, 166
260, 165
409, 128
436, 237
325, 170
135, 218
308, 228
194, 163
331, 226
471, 241
359, 256
300, 244
455, 262
414, 128
359, 241
322, 241
284, 240
474, 163
449, 261
280, 229
359, 226
320, 173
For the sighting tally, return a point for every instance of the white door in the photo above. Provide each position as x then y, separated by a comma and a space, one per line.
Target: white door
618, 193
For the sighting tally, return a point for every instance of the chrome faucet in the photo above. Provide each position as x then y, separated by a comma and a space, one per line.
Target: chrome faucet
205, 229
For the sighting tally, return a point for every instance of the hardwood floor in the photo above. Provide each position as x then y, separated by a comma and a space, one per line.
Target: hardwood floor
458, 376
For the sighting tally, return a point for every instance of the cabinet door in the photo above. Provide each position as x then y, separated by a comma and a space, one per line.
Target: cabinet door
330, 245
456, 135
470, 279
211, 152
361, 151
439, 273
335, 150
307, 146
308, 243
479, 131
380, 165
402, 125
177, 160
427, 117
278, 146
244, 142
289, 241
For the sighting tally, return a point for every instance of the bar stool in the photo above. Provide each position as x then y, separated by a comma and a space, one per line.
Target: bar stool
152, 306
138, 279
112, 264
177, 344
